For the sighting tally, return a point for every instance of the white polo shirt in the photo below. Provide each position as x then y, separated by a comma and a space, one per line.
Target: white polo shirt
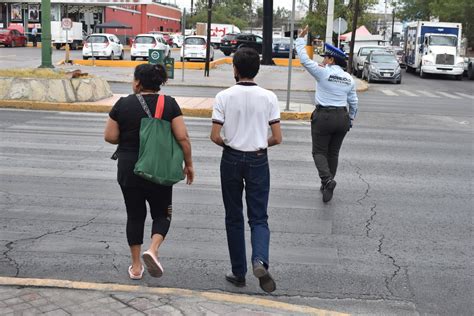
245, 112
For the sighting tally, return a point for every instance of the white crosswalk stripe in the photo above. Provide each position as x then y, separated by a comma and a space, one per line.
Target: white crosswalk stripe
389, 92
448, 95
465, 95
428, 94
408, 93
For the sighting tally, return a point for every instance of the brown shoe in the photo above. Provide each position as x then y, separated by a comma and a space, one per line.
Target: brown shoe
235, 280
265, 279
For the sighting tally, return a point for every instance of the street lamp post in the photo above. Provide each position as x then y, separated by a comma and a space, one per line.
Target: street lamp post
46, 51
208, 46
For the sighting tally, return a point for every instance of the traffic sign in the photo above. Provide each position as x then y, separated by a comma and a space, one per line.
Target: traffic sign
339, 26
66, 24
156, 56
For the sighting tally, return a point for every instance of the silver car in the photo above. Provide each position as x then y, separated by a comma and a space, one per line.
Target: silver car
382, 66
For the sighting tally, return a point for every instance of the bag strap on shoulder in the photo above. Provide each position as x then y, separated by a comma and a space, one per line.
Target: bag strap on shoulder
160, 106
144, 105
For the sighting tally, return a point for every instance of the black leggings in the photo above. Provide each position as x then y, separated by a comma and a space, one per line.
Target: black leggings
159, 199
328, 129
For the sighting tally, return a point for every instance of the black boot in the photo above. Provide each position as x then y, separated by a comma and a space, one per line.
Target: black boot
328, 190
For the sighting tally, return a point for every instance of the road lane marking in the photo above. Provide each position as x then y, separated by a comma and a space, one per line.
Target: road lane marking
389, 92
408, 93
428, 94
465, 95
212, 296
448, 95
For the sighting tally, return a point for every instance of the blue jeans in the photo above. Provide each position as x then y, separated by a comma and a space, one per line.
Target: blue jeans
247, 170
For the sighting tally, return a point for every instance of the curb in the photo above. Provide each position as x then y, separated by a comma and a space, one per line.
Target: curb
211, 296
103, 108
177, 64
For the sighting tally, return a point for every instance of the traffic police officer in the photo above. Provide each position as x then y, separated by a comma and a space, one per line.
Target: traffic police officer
331, 120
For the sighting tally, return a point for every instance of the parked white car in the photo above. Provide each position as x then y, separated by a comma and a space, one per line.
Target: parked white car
102, 45
144, 42
195, 48
177, 40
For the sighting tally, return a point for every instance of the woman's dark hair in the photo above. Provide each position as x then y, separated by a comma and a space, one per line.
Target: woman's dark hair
247, 62
340, 62
151, 77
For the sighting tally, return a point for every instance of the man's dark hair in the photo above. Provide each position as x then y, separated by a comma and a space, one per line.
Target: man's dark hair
151, 77
247, 62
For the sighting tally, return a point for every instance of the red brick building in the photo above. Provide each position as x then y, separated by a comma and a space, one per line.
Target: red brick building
144, 18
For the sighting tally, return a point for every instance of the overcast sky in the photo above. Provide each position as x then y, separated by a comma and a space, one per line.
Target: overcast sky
276, 3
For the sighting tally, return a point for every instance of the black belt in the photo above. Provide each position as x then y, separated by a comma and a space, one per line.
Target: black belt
260, 151
331, 108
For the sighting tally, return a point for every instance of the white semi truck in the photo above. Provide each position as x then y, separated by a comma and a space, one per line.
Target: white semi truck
434, 48
218, 31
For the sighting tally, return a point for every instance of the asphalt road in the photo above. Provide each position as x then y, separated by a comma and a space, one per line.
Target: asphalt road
396, 238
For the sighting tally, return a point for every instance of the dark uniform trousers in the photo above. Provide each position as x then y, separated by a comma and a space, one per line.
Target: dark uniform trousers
329, 126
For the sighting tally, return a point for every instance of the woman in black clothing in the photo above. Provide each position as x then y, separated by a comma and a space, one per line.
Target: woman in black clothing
122, 128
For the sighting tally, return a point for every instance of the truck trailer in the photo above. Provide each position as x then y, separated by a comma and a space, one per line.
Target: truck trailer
434, 48
218, 31
74, 36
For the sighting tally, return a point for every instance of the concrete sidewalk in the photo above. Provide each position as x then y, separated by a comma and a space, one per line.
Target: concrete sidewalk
269, 77
20, 296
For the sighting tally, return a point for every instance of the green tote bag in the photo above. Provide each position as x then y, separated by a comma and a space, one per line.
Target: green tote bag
160, 158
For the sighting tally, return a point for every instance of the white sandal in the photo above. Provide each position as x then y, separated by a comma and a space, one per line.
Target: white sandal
134, 276
152, 264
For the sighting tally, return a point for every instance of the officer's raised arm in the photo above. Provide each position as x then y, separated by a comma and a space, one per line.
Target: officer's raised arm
311, 66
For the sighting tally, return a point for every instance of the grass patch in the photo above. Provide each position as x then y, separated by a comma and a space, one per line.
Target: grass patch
42, 73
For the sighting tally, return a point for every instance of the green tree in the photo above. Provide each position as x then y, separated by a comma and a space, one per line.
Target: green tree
281, 16
237, 12
317, 18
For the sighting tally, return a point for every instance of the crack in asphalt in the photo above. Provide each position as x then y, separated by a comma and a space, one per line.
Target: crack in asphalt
389, 279
107, 247
366, 195
368, 223
11, 244
126, 304
368, 228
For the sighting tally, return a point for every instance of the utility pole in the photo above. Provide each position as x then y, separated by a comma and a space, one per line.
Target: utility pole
290, 56
208, 46
353, 35
310, 36
46, 52
385, 21
393, 25
183, 32
329, 20
267, 32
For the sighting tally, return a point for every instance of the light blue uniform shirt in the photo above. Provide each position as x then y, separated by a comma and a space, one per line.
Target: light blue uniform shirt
335, 86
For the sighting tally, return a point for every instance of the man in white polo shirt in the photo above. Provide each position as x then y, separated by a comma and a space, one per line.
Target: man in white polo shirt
244, 113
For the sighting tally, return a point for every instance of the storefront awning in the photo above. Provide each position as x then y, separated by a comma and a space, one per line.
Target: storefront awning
113, 25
